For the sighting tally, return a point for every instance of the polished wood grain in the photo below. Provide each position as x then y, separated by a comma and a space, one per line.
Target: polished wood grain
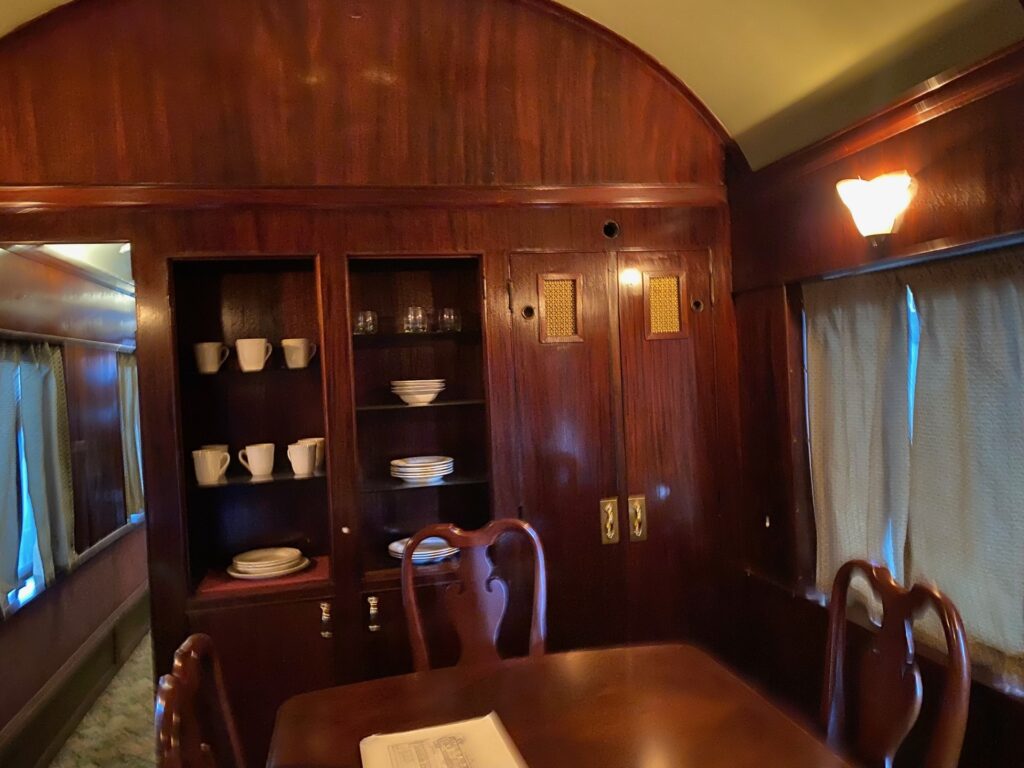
316, 92
637, 706
778, 519
269, 652
568, 433
669, 421
889, 687
94, 430
195, 727
789, 656
42, 297
477, 602
29, 198
957, 138
69, 615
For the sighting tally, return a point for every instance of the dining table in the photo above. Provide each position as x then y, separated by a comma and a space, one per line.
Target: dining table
648, 706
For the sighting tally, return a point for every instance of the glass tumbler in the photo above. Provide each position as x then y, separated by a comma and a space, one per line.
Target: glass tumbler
366, 322
415, 320
450, 320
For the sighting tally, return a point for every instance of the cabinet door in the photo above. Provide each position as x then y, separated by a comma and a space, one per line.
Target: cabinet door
269, 653
386, 649
668, 399
567, 374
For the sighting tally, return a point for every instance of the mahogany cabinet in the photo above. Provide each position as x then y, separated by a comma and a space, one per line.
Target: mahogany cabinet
269, 652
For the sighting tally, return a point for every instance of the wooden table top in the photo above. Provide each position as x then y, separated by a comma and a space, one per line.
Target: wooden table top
655, 706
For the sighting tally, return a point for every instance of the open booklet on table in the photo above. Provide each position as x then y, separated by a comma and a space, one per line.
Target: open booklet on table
481, 742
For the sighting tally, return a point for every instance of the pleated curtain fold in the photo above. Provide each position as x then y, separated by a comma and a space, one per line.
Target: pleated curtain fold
131, 440
943, 502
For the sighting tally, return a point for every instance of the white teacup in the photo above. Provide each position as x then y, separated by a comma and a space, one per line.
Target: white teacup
210, 356
320, 444
298, 352
253, 354
258, 459
303, 458
210, 466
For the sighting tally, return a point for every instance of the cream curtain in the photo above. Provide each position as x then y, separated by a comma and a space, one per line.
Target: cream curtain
10, 509
967, 458
858, 414
131, 445
44, 424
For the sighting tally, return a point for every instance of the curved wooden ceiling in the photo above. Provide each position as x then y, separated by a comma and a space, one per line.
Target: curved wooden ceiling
783, 73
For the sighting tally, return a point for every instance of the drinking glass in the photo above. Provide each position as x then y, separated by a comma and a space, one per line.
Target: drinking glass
366, 322
415, 320
450, 320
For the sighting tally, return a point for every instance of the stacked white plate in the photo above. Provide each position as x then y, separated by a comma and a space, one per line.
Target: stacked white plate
422, 470
267, 563
417, 391
431, 550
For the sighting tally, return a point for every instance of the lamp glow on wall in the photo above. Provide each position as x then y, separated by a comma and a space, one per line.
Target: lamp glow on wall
878, 204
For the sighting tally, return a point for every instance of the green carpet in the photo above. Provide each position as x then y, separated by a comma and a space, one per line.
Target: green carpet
118, 731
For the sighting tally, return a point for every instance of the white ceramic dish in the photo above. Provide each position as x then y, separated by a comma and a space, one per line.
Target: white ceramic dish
235, 573
267, 556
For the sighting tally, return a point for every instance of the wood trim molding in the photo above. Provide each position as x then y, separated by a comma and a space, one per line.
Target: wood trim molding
931, 99
53, 686
22, 199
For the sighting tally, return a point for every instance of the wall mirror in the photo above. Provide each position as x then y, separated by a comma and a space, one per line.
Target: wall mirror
70, 444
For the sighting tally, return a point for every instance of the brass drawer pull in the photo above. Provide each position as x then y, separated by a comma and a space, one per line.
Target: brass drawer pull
637, 518
609, 521
374, 604
325, 621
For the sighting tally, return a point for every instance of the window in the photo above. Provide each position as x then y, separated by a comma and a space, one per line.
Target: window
915, 393
35, 488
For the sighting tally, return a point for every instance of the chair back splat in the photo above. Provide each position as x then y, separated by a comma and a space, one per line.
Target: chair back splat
478, 599
889, 690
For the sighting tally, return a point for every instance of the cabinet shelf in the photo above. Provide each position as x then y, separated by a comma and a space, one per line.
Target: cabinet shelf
247, 480
217, 586
389, 578
269, 370
408, 339
404, 407
390, 484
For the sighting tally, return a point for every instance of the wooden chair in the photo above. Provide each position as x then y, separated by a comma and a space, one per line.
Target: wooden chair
478, 600
889, 687
194, 724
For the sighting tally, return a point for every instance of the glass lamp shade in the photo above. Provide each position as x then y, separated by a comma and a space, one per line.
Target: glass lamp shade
877, 204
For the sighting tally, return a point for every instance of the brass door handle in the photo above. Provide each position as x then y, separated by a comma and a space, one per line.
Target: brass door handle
325, 621
637, 518
609, 521
374, 614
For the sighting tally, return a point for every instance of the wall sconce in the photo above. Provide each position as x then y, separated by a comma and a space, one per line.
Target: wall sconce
877, 205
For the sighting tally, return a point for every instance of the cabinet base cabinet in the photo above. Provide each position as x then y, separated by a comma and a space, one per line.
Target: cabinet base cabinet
269, 652
386, 649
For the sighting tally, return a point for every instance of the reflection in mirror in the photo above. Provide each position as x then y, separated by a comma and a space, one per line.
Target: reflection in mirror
70, 445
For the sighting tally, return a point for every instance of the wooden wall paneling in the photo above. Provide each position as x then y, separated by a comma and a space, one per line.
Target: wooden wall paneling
668, 395
782, 649
958, 139
43, 296
97, 460
45, 634
778, 519
321, 93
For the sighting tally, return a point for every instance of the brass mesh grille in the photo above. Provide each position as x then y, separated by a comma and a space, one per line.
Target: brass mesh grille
560, 308
664, 304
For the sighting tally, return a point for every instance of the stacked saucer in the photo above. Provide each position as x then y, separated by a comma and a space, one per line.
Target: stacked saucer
267, 563
430, 550
423, 470
417, 391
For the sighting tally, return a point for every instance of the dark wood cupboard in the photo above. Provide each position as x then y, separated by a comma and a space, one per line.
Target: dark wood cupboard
614, 360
